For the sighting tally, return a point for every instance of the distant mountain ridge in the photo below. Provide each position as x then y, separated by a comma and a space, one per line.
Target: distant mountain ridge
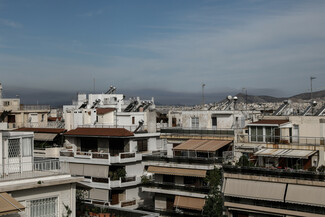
317, 95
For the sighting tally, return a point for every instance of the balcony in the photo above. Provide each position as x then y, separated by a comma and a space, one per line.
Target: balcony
283, 140
83, 157
35, 107
126, 157
125, 182
278, 173
182, 187
188, 162
107, 183
131, 204
131, 128
26, 170
180, 132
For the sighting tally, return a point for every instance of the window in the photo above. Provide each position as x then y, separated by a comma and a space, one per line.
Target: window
13, 148
214, 121
142, 145
27, 147
6, 103
133, 120
195, 122
47, 207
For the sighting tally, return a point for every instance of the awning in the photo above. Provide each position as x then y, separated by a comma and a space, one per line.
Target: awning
9, 205
177, 171
44, 136
99, 194
202, 145
286, 153
189, 202
98, 171
306, 195
254, 189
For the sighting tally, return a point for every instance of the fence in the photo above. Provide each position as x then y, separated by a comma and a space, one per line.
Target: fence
32, 169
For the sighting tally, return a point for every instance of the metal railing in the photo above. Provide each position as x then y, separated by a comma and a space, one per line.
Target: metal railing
281, 173
32, 169
179, 159
127, 127
175, 186
292, 140
200, 131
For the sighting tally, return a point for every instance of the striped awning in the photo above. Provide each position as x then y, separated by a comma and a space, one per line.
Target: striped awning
285, 153
8, 205
177, 171
204, 145
254, 189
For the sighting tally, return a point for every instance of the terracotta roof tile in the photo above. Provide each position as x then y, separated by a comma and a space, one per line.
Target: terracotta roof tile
102, 111
106, 132
42, 130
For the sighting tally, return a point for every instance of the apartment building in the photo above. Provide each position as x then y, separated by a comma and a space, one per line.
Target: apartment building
18, 115
258, 192
29, 187
110, 160
284, 141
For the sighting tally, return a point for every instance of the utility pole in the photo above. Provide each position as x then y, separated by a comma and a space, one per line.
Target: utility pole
245, 96
311, 87
203, 85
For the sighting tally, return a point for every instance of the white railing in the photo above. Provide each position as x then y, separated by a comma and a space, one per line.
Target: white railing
32, 169
125, 182
124, 157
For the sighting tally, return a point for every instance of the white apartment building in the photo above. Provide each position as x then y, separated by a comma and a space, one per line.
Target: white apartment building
33, 188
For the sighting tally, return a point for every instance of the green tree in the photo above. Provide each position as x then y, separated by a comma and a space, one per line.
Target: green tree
214, 203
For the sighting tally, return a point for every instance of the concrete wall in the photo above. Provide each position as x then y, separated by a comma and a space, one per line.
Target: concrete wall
66, 195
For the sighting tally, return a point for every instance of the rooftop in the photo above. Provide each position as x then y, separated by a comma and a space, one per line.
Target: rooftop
42, 130
101, 132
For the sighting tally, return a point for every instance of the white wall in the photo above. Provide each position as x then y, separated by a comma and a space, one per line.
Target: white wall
66, 195
134, 169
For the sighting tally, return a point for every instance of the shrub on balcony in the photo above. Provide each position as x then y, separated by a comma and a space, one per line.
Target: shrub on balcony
116, 175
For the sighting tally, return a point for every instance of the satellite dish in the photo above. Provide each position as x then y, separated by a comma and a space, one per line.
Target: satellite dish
229, 97
235, 98
314, 103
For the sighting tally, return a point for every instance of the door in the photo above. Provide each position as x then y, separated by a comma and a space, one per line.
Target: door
115, 199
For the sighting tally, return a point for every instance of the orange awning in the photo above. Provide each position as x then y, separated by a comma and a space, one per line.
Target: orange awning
9, 205
189, 202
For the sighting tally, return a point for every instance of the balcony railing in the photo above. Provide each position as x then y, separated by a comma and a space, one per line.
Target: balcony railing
281, 173
32, 169
174, 186
292, 140
127, 127
179, 159
35, 107
199, 131
126, 157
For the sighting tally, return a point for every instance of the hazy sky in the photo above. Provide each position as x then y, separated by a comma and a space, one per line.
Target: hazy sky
162, 48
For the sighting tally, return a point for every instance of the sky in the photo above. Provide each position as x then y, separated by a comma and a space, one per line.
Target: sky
51, 50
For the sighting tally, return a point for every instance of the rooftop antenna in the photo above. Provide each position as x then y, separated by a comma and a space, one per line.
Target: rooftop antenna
94, 83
